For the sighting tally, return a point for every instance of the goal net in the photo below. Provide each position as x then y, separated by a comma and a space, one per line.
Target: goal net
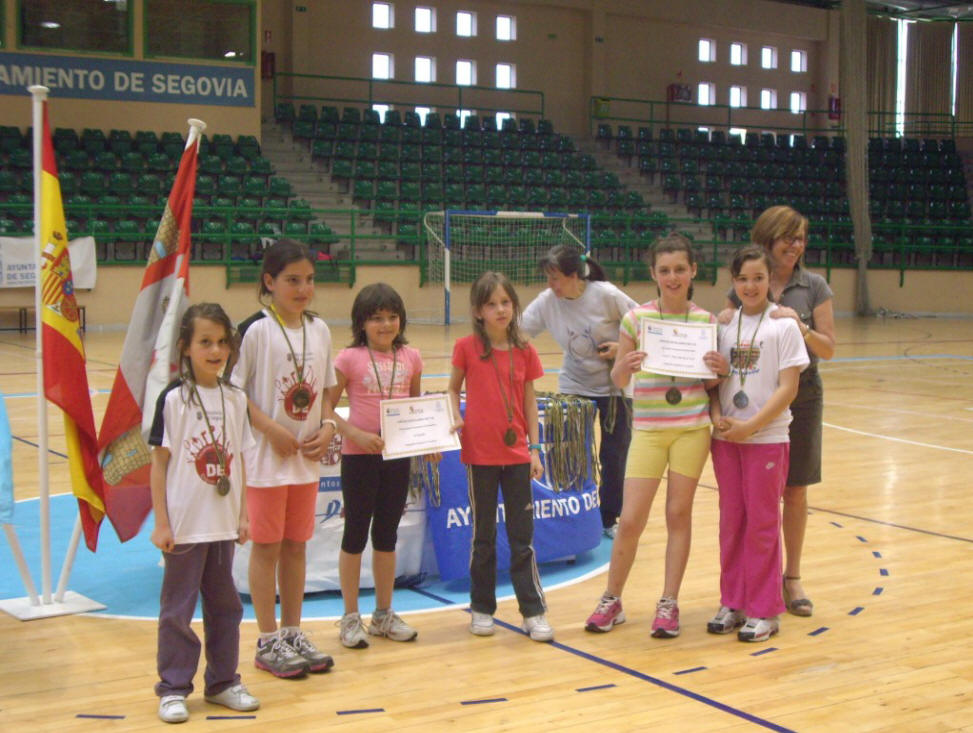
461, 245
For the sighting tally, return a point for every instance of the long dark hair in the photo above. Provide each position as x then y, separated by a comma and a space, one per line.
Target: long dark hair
211, 312
479, 294
371, 299
672, 242
570, 260
279, 255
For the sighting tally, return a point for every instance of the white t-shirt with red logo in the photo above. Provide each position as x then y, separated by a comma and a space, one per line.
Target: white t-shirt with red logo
197, 512
267, 373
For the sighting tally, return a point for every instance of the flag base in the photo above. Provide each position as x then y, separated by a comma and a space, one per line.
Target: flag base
21, 608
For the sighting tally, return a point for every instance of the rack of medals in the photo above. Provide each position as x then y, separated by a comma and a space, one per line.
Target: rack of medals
566, 425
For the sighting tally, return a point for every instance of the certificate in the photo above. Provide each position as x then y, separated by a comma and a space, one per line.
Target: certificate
414, 426
676, 348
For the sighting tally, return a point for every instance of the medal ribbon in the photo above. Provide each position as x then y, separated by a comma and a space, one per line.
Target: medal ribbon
658, 305
378, 379
753, 338
507, 401
220, 455
299, 368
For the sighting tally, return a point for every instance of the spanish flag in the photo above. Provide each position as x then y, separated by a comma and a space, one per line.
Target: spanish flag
65, 379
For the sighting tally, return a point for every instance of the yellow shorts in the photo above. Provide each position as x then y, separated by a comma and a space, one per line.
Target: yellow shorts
685, 451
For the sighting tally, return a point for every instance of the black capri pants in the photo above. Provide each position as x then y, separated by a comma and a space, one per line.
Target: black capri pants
374, 493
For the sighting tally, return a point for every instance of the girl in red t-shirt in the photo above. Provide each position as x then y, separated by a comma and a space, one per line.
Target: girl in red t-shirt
500, 447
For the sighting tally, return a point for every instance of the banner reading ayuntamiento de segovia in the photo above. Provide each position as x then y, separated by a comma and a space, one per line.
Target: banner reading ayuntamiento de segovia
137, 81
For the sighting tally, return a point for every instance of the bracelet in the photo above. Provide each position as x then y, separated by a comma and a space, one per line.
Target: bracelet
534, 446
332, 423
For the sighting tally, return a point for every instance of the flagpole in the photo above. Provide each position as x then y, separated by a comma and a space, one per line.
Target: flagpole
39, 94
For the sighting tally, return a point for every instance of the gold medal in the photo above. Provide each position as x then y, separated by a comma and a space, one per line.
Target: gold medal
223, 486
509, 437
673, 396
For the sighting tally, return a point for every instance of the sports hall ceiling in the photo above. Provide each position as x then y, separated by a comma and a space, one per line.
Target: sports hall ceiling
908, 9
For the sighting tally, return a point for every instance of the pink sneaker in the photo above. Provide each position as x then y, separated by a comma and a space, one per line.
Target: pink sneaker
608, 614
666, 624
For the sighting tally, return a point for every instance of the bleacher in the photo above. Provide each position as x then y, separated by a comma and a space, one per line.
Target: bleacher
115, 189
919, 202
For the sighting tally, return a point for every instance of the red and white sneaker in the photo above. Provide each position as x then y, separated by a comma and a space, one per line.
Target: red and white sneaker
666, 624
609, 613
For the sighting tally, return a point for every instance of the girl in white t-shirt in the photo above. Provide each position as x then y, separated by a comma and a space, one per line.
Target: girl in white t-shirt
286, 369
750, 450
199, 434
378, 365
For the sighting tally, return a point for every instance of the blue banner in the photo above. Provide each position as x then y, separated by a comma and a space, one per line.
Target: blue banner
6, 467
81, 77
565, 522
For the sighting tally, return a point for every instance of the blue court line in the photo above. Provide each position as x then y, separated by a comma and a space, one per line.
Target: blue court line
99, 717
487, 701
883, 571
878, 591
596, 687
856, 610
876, 553
861, 539
895, 526
34, 445
818, 631
231, 717
690, 670
360, 712
768, 650
427, 594
659, 683
837, 525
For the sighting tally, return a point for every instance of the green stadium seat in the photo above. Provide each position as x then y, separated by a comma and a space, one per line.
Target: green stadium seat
150, 184
230, 185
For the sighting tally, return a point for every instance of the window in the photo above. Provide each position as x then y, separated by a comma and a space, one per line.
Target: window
501, 116
506, 76
740, 131
738, 96
738, 54
425, 20
768, 57
798, 102
799, 62
706, 93
465, 24
425, 69
768, 99
463, 114
88, 25
381, 109
465, 72
383, 15
707, 50
506, 28
381, 66
222, 31
422, 112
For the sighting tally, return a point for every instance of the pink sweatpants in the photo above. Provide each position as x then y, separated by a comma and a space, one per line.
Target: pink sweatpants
751, 478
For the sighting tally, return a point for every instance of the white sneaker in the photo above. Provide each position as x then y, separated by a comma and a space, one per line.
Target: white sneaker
352, 633
758, 629
482, 624
235, 698
172, 709
537, 628
391, 626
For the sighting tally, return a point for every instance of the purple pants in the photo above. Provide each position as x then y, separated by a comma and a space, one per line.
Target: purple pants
207, 568
751, 478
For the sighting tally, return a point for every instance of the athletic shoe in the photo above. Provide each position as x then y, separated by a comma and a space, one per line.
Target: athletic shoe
610, 532
537, 628
391, 626
317, 661
279, 658
482, 624
352, 633
725, 620
235, 698
758, 629
609, 613
666, 624
172, 709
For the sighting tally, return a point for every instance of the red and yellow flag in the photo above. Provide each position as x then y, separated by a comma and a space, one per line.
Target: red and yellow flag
65, 378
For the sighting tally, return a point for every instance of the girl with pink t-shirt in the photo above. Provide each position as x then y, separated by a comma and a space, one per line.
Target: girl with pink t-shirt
378, 365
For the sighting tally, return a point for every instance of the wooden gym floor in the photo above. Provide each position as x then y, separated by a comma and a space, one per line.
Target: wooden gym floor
889, 565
